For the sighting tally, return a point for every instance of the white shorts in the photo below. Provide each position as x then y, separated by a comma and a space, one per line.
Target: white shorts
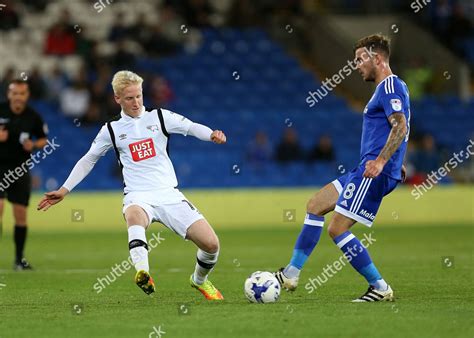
178, 215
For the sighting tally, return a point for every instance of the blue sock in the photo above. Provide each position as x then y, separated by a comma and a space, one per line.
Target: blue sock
359, 258
307, 240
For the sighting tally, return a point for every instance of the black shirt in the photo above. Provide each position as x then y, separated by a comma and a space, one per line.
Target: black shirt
289, 152
27, 125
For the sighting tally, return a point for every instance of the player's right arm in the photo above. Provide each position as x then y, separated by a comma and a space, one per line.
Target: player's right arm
83, 167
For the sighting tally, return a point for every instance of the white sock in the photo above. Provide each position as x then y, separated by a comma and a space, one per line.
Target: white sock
205, 264
291, 271
381, 285
138, 247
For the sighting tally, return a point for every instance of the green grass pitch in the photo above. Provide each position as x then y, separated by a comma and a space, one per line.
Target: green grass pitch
423, 249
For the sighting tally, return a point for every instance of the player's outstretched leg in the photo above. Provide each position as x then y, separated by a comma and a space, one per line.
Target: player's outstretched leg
360, 259
320, 204
202, 234
138, 246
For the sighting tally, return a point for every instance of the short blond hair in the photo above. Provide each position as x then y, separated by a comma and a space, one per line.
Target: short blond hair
125, 78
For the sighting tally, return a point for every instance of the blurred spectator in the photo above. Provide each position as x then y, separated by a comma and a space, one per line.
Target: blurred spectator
9, 18
140, 31
417, 76
426, 158
99, 91
60, 41
93, 115
441, 17
197, 13
171, 24
450, 23
257, 13
37, 85
74, 101
119, 30
101, 83
459, 28
289, 148
122, 59
111, 107
243, 13
259, 150
94, 60
61, 37
7, 78
84, 45
159, 91
322, 151
157, 44
175, 32
56, 82
36, 5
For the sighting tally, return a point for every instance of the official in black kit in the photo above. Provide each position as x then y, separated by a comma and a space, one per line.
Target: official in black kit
22, 132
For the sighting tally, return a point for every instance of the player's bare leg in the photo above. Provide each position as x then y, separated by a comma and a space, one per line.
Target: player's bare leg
202, 234
323, 201
320, 204
20, 232
339, 224
360, 260
137, 221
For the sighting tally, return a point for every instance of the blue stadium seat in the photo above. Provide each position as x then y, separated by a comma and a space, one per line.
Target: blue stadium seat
242, 82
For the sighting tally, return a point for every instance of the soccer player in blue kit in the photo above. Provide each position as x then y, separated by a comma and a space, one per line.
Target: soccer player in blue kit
357, 195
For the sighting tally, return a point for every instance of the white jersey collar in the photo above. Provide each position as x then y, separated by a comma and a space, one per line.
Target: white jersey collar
386, 79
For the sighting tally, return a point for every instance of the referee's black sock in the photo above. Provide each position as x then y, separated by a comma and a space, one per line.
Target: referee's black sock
20, 239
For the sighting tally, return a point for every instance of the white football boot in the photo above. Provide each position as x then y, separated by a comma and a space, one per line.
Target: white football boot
289, 284
374, 295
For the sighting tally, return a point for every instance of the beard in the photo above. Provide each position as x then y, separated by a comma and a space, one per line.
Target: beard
370, 76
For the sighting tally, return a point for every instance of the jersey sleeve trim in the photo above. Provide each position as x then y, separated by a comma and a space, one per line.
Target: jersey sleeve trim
162, 122
388, 85
163, 128
391, 98
112, 137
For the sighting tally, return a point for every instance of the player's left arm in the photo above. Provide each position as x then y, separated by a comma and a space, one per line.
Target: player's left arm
205, 133
397, 134
178, 124
396, 108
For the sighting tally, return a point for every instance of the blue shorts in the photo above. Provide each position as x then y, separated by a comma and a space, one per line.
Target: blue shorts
359, 196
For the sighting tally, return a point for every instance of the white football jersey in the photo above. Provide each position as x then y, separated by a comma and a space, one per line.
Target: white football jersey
141, 147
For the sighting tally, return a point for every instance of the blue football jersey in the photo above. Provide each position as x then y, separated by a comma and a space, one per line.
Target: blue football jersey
390, 96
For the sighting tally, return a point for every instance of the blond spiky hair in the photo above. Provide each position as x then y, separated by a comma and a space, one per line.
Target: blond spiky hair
125, 78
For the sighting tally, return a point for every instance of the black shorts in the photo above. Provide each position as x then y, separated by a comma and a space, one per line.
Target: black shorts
17, 192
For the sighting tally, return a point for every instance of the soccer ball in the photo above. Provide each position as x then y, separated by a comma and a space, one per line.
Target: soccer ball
262, 287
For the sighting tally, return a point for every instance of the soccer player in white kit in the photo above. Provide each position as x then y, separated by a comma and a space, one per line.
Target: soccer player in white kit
140, 141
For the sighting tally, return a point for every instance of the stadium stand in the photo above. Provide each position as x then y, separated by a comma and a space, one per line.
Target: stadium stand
239, 80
